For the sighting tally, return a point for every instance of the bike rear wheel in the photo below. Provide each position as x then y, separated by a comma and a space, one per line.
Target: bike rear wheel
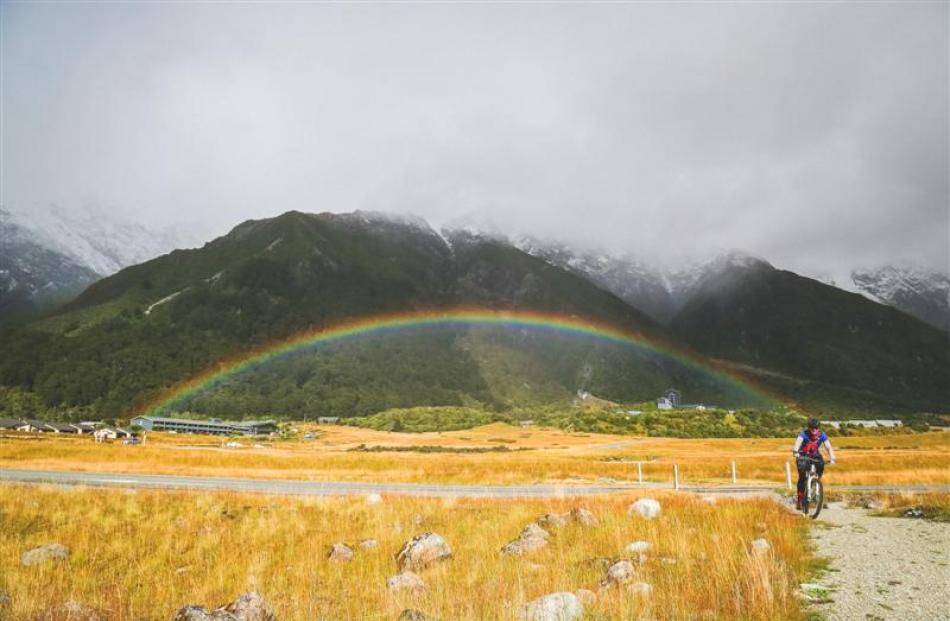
816, 493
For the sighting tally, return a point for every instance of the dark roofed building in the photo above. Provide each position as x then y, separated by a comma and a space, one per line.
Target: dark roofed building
10, 423
212, 426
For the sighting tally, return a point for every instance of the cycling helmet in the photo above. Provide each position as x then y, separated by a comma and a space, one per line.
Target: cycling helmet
813, 423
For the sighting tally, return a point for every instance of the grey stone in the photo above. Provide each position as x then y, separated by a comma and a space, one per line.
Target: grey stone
647, 508
369, 544
562, 606
340, 553
405, 580
42, 554
621, 572
584, 517
250, 607
423, 550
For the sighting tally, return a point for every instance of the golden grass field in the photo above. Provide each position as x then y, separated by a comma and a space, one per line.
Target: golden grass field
536, 455
142, 555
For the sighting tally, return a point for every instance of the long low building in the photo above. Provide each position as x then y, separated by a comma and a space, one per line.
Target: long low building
211, 426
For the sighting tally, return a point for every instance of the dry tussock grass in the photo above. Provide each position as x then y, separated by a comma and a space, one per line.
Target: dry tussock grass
552, 456
142, 555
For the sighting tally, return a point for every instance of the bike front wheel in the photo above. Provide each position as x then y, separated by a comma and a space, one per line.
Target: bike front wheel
816, 496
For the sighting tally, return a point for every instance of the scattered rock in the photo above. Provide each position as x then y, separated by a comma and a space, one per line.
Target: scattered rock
872, 504
914, 512
249, 607
583, 517
73, 611
533, 530
642, 589
193, 612
647, 508
49, 552
554, 607
637, 547
373, 499
586, 597
621, 572
553, 520
405, 580
411, 614
4, 600
369, 544
340, 553
532, 538
423, 550
760, 546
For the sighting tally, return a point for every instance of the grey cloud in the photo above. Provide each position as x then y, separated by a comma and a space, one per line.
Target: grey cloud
815, 135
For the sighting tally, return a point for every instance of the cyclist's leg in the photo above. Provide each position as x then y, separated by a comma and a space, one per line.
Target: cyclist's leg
820, 468
802, 479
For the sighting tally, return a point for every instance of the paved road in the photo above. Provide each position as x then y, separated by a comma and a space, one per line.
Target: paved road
337, 488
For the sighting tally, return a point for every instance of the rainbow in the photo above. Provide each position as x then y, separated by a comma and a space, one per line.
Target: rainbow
569, 325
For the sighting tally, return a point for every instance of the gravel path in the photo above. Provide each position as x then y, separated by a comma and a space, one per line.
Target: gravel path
882, 568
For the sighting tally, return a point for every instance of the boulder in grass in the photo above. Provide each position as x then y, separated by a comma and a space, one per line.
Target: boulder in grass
533, 530
340, 553
411, 614
583, 517
641, 589
638, 547
73, 611
193, 612
554, 520
249, 607
760, 546
42, 554
647, 508
405, 580
373, 499
621, 572
532, 538
423, 550
369, 544
4, 600
522, 546
562, 606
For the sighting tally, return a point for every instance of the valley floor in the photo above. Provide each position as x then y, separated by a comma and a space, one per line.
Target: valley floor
512, 456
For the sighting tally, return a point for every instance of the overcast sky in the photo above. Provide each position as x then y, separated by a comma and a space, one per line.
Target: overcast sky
812, 134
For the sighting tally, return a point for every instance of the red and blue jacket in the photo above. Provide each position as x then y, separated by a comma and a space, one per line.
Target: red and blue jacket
811, 442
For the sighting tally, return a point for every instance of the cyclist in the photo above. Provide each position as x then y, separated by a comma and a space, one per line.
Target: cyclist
808, 445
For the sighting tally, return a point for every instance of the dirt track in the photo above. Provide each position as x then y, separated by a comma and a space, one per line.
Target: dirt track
882, 568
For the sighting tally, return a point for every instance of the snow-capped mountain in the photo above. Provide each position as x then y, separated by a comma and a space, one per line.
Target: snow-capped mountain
920, 292
33, 274
94, 238
659, 292
48, 254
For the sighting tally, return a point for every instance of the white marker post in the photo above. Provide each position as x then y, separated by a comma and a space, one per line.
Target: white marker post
640, 472
788, 475
676, 477
733, 473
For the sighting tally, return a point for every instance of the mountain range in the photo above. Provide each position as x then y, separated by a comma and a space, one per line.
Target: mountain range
48, 254
130, 335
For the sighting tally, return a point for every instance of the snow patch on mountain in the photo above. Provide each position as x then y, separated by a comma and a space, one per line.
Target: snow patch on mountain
97, 239
921, 292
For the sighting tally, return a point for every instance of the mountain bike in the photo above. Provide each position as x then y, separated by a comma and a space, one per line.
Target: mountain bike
814, 490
